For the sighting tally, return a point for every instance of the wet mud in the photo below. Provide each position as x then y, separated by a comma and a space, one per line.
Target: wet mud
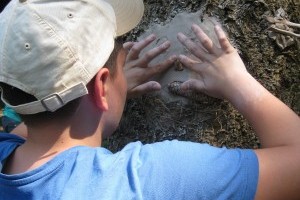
276, 66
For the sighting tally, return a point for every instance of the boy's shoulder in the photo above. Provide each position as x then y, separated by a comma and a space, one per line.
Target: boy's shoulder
155, 171
8, 142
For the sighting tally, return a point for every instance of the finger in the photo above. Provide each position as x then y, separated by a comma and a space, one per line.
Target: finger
205, 40
161, 67
224, 43
145, 88
150, 55
193, 85
192, 47
139, 46
193, 65
128, 45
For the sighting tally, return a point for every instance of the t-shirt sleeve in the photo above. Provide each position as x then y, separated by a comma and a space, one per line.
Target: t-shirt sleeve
8, 143
186, 170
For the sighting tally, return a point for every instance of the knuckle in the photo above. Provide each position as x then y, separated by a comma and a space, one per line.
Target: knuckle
223, 40
186, 41
206, 42
143, 63
194, 48
135, 49
156, 69
148, 56
146, 74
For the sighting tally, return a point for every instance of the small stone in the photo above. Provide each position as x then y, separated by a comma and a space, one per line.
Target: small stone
178, 65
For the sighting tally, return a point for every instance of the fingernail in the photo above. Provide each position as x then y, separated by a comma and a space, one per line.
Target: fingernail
173, 58
152, 37
181, 57
166, 44
194, 27
155, 86
217, 27
180, 35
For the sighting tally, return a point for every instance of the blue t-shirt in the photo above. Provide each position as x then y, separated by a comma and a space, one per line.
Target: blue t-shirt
164, 170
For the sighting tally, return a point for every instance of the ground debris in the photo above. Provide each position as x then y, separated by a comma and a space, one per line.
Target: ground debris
149, 119
282, 30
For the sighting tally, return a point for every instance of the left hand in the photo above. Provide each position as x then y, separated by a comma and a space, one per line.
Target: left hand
138, 70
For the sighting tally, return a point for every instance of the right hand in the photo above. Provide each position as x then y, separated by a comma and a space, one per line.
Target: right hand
219, 69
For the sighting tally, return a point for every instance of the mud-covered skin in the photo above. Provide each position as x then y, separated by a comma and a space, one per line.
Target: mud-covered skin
175, 88
149, 119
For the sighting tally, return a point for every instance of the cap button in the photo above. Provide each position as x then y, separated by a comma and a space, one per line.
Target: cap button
27, 46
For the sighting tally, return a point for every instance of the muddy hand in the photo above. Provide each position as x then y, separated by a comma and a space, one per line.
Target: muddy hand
218, 68
138, 70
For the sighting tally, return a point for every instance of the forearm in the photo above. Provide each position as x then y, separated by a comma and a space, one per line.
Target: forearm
222, 74
274, 122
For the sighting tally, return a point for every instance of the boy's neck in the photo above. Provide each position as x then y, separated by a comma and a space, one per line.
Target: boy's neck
45, 142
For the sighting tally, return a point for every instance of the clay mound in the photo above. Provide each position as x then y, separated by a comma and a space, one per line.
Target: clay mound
180, 23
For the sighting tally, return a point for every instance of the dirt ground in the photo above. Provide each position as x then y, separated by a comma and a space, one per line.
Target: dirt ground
150, 119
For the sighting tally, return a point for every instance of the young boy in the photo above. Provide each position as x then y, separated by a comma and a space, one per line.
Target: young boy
61, 70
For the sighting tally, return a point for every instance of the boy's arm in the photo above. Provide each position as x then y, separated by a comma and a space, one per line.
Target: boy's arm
223, 75
278, 129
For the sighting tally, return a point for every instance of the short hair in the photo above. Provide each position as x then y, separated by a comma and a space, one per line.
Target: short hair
16, 96
111, 63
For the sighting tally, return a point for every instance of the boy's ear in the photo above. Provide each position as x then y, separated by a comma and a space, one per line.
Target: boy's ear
100, 88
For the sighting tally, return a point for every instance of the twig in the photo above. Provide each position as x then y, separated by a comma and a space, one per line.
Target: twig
283, 21
295, 25
272, 28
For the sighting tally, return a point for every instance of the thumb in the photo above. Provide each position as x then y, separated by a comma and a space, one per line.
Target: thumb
148, 87
193, 85
128, 45
197, 86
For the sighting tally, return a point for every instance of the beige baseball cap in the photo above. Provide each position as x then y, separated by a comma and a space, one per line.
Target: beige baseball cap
51, 49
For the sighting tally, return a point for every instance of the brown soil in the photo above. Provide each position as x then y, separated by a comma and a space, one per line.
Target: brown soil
150, 119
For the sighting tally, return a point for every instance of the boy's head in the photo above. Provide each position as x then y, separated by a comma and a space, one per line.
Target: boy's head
51, 50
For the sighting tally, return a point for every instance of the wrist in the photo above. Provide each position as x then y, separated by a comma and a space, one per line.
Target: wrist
245, 92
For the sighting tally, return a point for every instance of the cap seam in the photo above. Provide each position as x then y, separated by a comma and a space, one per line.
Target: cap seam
63, 44
52, 33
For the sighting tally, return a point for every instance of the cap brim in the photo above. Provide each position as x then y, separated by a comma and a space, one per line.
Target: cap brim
128, 14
